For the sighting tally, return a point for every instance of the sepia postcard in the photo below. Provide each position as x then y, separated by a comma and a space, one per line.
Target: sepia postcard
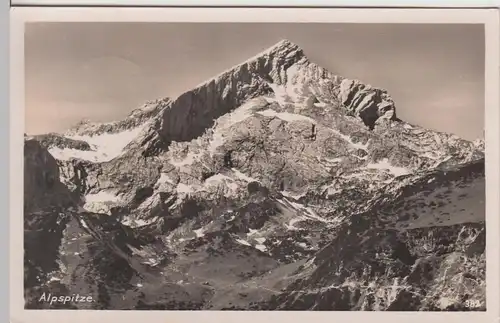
254, 164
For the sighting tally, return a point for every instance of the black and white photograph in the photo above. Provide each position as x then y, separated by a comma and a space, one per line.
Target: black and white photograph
254, 166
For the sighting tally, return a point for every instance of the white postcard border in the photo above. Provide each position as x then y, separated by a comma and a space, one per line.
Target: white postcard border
19, 16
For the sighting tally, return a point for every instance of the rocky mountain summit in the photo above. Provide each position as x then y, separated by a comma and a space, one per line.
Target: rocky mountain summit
276, 185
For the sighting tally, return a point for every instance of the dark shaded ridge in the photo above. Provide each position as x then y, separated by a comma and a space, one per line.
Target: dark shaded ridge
53, 139
193, 112
46, 213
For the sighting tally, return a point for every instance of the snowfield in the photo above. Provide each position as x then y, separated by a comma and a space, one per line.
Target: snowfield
105, 147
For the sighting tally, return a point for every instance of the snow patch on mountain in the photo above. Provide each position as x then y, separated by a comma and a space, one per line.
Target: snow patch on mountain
188, 159
105, 146
132, 222
306, 211
228, 120
199, 233
101, 202
243, 176
185, 189
261, 247
224, 182
243, 242
355, 145
385, 165
164, 178
292, 195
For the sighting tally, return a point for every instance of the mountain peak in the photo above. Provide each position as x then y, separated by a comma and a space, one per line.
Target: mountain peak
281, 52
283, 48
285, 44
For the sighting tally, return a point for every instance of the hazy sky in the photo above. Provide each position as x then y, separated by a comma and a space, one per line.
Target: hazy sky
101, 71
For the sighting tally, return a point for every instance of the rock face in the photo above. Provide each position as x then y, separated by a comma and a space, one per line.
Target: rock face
276, 185
283, 67
47, 208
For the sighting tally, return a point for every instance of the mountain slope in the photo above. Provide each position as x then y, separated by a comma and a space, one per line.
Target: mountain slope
275, 185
